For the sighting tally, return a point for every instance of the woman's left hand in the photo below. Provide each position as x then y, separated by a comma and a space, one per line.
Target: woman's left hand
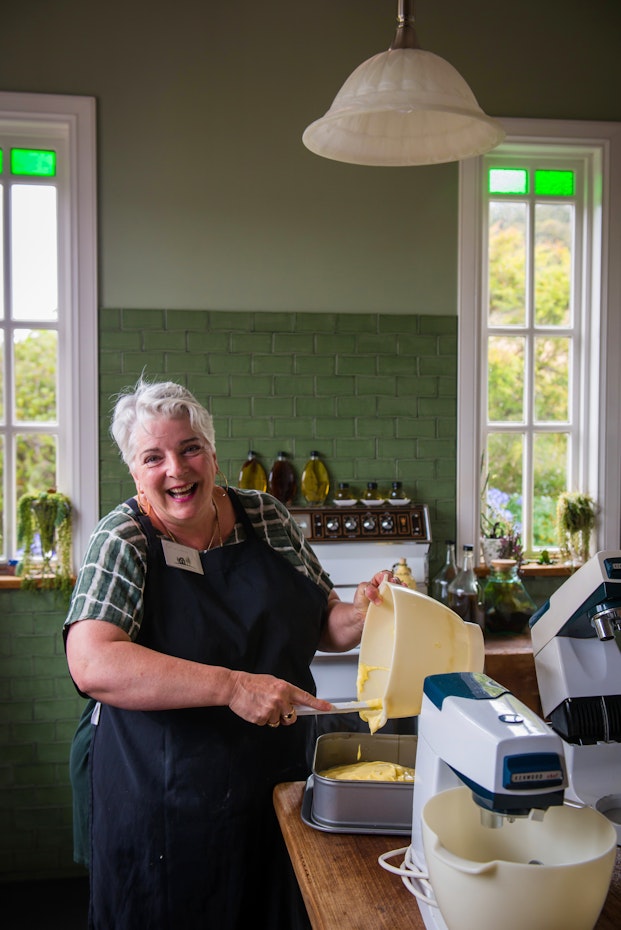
368, 591
345, 621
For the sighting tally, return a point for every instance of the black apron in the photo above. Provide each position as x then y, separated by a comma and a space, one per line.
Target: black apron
183, 830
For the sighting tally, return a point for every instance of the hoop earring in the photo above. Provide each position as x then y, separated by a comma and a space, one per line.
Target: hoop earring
146, 510
224, 481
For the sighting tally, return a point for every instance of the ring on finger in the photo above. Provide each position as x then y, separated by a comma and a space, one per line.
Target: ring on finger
290, 715
273, 725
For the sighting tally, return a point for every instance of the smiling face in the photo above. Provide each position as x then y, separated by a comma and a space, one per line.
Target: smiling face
175, 468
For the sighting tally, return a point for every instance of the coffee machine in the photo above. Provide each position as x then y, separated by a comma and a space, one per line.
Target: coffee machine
576, 646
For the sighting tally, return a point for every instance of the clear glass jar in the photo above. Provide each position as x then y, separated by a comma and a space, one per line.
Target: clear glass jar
508, 605
440, 583
343, 492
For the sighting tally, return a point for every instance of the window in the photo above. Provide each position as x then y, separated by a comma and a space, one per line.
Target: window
48, 310
540, 328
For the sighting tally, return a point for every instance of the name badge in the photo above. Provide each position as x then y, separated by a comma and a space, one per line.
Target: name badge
182, 557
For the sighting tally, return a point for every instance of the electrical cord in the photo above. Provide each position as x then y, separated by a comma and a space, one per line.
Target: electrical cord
415, 880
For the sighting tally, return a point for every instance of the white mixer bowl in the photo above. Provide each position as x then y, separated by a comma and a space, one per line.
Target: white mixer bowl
546, 874
405, 638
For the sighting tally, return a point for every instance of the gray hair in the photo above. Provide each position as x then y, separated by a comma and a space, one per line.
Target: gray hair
146, 401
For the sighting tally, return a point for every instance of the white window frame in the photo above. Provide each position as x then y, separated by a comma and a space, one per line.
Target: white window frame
599, 470
72, 121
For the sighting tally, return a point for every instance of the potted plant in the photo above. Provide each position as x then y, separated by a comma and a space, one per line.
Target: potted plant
575, 519
500, 533
48, 515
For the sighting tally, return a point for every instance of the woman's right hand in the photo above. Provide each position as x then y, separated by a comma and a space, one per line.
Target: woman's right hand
266, 700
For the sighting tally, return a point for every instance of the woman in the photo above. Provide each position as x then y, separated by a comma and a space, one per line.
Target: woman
195, 617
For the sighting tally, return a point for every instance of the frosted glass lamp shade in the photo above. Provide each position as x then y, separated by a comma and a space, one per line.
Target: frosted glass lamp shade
405, 106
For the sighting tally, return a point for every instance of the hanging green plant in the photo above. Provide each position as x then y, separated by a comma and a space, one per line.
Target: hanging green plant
575, 519
47, 513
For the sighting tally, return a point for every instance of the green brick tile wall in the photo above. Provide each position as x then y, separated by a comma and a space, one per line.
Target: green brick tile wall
375, 394
38, 715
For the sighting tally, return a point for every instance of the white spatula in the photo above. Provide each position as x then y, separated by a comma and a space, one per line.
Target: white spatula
339, 707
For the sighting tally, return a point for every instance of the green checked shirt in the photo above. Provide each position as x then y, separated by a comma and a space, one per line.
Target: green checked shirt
111, 581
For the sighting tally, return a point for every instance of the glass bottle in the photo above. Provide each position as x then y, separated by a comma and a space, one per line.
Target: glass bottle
371, 493
315, 480
282, 482
343, 492
440, 583
508, 605
464, 596
396, 493
252, 475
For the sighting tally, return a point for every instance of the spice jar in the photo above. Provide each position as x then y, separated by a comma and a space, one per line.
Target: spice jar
402, 571
508, 605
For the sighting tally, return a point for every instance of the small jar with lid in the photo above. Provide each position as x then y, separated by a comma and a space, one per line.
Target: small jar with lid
343, 492
396, 491
372, 493
508, 605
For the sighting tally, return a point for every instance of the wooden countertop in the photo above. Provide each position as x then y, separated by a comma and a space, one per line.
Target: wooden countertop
344, 887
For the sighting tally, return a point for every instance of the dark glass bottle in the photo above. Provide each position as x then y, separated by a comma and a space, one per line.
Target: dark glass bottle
440, 583
464, 595
282, 482
252, 475
508, 605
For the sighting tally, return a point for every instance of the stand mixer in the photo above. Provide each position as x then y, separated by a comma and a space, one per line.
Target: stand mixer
473, 732
578, 667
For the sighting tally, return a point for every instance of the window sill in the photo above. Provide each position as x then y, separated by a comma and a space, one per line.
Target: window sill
13, 582
534, 570
9, 582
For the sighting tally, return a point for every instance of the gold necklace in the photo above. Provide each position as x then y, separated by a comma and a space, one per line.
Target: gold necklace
216, 528
174, 539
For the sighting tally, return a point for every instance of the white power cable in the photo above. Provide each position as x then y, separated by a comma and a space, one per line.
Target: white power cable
415, 880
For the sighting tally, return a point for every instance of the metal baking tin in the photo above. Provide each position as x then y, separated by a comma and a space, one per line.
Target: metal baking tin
360, 806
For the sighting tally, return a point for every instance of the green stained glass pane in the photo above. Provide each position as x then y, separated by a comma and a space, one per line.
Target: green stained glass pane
34, 162
554, 183
550, 479
508, 181
505, 379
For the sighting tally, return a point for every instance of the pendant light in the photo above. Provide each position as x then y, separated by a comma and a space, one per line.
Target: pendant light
404, 106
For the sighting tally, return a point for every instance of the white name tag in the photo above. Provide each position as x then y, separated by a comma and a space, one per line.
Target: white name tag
182, 557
